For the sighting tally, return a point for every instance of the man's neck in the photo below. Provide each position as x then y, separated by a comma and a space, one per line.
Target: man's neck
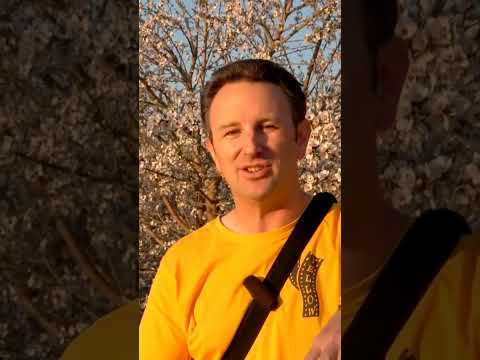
250, 217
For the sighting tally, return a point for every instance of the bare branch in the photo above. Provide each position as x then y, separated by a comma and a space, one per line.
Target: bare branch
295, 9
23, 300
72, 244
162, 174
155, 237
80, 174
175, 215
313, 60
268, 35
296, 27
151, 92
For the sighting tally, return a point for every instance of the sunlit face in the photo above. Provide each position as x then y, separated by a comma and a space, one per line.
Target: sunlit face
253, 140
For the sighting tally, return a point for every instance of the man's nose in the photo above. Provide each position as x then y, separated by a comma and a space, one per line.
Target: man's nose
253, 142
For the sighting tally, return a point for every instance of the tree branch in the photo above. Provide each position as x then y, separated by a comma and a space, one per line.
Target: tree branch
176, 216
28, 306
306, 81
75, 172
155, 237
151, 92
167, 175
104, 288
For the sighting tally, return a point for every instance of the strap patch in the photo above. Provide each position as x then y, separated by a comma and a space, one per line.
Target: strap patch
304, 278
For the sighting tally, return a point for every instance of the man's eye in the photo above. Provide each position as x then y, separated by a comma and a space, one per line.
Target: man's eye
269, 126
231, 132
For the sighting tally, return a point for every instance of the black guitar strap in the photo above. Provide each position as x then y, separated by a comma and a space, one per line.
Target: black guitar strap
402, 283
265, 293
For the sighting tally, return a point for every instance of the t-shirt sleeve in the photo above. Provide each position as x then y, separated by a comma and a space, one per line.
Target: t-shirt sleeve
162, 330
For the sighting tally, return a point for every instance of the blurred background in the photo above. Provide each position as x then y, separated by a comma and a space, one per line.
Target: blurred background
68, 169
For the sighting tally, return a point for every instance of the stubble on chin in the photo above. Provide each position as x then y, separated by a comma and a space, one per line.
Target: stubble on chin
249, 192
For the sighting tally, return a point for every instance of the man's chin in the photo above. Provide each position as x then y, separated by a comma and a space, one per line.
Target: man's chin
257, 194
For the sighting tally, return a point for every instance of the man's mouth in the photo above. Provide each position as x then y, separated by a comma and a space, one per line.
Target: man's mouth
257, 171
254, 169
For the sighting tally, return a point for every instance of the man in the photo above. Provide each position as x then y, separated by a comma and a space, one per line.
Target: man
446, 322
254, 114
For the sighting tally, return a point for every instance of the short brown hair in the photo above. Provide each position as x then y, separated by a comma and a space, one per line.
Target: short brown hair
255, 70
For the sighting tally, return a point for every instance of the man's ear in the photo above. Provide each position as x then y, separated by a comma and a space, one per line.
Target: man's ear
303, 135
391, 70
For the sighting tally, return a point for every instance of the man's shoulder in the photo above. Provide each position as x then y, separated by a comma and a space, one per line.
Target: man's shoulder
331, 225
194, 243
334, 214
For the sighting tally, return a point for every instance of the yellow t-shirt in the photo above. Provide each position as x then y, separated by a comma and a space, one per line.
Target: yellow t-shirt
446, 322
197, 298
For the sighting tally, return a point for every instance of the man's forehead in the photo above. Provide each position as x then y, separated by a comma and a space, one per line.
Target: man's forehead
265, 86
260, 96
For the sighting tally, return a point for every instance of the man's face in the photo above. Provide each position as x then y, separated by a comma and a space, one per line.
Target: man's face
253, 140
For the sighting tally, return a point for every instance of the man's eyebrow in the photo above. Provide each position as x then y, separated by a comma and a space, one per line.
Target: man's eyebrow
264, 119
228, 125
261, 120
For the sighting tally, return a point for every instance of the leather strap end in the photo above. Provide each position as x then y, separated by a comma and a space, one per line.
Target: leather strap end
261, 293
